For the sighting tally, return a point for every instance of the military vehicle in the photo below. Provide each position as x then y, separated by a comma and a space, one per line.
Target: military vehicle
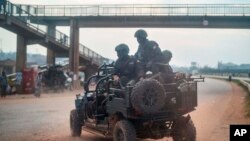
147, 109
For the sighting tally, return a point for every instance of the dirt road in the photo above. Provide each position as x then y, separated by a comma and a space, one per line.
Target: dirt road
47, 118
220, 104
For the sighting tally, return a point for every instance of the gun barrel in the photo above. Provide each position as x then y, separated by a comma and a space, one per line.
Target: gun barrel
199, 79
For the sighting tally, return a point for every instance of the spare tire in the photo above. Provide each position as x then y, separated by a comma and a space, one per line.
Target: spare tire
148, 96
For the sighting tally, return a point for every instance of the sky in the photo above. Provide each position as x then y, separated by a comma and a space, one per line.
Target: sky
204, 46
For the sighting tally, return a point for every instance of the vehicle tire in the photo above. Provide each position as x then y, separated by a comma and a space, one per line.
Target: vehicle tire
184, 130
75, 124
124, 131
148, 96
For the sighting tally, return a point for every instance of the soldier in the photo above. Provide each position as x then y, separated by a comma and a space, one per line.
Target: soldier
165, 68
126, 67
126, 70
148, 52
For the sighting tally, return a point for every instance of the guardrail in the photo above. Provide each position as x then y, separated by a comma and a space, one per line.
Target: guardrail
246, 84
244, 81
141, 9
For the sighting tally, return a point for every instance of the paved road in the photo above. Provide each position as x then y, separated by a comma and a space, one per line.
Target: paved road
47, 118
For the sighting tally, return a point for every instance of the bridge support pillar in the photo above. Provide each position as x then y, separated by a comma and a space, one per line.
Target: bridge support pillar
21, 57
51, 59
74, 51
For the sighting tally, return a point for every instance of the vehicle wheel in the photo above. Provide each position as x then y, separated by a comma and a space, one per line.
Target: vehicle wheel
124, 131
75, 124
184, 130
148, 96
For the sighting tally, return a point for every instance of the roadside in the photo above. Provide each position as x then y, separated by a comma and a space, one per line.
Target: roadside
247, 97
26, 117
214, 116
244, 83
43, 95
235, 113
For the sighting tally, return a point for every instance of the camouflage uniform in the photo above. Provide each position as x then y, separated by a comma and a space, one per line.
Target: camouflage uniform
148, 52
127, 67
165, 68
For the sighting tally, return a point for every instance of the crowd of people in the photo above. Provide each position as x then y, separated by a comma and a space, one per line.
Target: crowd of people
54, 77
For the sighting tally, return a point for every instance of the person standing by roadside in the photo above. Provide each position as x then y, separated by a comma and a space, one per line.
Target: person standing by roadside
4, 84
10, 86
38, 85
3, 6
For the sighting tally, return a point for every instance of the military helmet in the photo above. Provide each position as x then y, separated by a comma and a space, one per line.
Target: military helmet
122, 47
167, 55
141, 33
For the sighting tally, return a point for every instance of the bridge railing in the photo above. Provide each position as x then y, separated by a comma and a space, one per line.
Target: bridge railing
95, 57
22, 13
140, 9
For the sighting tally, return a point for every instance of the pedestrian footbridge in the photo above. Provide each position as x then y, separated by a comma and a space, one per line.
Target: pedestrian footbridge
36, 24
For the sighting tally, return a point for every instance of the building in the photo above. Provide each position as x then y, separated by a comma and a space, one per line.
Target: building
8, 65
232, 66
244, 66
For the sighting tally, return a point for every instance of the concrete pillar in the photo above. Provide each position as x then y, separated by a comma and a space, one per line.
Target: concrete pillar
51, 59
21, 57
21, 54
74, 52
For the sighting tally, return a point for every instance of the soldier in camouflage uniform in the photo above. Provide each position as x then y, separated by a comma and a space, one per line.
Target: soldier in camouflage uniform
165, 68
126, 70
126, 67
148, 52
